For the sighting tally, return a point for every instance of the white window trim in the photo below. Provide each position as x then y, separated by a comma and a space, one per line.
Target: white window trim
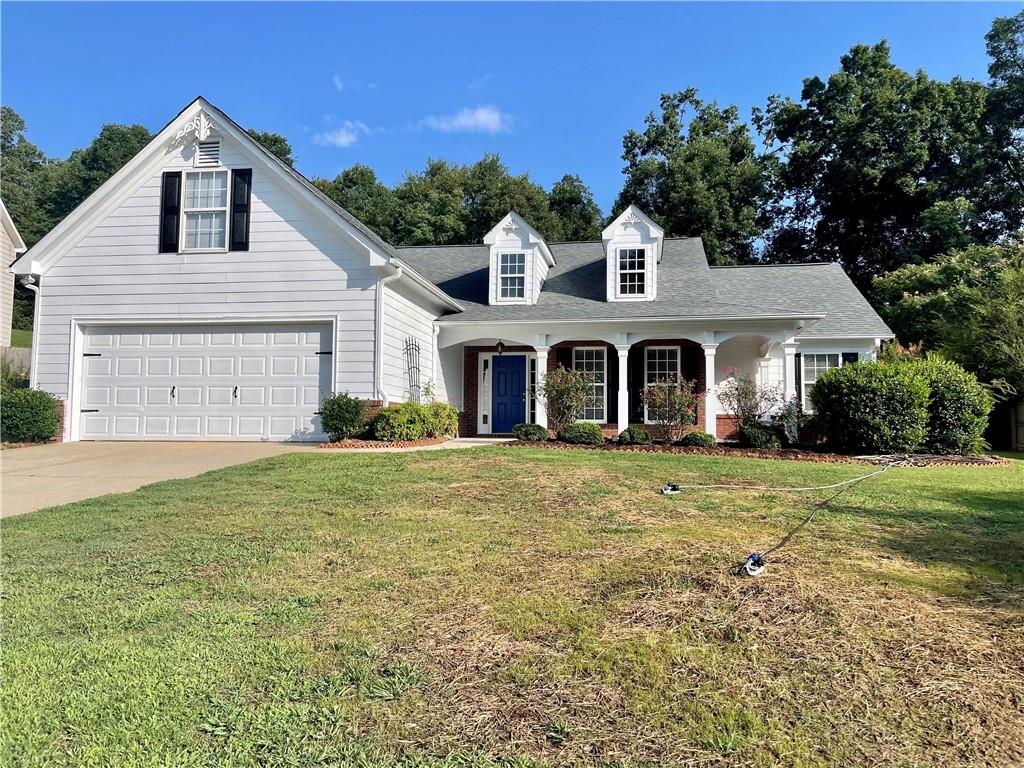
805, 399
619, 272
497, 279
604, 384
679, 369
185, 211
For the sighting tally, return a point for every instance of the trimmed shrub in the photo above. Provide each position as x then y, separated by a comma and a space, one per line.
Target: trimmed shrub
582, 433
343, 416
958, 408
442, 420
28, 415
529, 433
412, 421
872, 408
565, 393
698, 438
634, 435
759, 436
789, 421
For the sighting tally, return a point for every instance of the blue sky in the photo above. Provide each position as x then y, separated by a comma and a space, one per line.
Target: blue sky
551, 88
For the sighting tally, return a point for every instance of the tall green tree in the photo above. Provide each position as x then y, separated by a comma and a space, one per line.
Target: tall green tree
491, 191
572, 203
26, 179
695, 171
430, 205
866, 157
276, 143
86, 169
358, 191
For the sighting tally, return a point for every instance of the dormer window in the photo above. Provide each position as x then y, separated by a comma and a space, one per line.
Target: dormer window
632, 271
512, 275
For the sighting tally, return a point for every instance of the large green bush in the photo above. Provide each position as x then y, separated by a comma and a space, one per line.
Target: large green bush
582, 433
958, 407
872, 408
28, 415
412, 421
343, 416
529, 433
758, 435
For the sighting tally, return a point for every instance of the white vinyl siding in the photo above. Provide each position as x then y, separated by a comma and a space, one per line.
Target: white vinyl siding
405, 320
593, 360
6, 288
297, 265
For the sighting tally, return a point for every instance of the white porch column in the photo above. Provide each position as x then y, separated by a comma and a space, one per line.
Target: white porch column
623, 402
542, 370
789, 372
710, 401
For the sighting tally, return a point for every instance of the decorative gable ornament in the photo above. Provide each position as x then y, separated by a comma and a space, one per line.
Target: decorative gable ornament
631, 220
200, 125
510, 225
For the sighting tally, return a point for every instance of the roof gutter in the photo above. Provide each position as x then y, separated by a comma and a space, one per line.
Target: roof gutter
33, 370
674, 319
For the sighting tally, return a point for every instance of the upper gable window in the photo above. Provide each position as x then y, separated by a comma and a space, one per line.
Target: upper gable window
632, 272
206, 210
512, 275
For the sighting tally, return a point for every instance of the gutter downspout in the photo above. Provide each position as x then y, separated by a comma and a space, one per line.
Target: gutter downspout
30, 282
378, 347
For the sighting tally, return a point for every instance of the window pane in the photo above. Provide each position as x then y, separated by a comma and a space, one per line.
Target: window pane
205, 230
592, 361
207, 189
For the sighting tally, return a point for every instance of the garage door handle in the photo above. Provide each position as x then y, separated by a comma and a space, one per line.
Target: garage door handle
172, 391
235, 393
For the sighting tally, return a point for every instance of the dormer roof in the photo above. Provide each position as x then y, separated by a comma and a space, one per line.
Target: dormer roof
514, 224
633, 219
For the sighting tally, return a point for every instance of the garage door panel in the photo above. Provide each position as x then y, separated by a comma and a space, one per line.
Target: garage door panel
248, 382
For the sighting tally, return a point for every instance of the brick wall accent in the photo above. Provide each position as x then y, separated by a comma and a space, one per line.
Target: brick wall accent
728, 427
59, 437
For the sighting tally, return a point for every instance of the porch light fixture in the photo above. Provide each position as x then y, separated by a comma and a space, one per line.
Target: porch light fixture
500, 347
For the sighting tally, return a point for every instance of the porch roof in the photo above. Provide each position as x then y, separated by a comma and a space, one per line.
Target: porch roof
688, 289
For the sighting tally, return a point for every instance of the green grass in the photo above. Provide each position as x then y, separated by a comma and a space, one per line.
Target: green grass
517, 607
21, 338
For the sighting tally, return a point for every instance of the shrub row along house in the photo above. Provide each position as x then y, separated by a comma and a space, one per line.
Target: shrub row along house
208, 291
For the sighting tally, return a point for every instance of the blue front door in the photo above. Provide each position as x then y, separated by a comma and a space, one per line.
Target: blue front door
508, 392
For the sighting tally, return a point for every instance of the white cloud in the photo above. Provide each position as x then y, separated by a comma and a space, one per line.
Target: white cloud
484, 119
339, 84
345, 135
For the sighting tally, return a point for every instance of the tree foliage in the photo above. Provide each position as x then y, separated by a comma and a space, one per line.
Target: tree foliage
276, 143
695, 171
572, 203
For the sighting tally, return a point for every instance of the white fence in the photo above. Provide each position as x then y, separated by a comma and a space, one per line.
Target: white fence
19, 358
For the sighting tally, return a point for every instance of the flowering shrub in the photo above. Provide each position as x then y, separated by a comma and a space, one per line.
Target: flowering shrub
565, 393
744, 399
672, 405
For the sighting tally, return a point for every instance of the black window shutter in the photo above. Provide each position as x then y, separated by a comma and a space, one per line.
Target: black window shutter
170, 211
563, 357
241, 191
798, 367
849, 357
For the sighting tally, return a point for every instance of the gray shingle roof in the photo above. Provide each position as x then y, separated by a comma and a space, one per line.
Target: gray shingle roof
687, 288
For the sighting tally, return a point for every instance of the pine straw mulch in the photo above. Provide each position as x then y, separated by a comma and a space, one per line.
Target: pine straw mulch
353, 443
791, 454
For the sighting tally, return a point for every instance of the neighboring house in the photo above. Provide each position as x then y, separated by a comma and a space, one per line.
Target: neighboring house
11, 246
209, 291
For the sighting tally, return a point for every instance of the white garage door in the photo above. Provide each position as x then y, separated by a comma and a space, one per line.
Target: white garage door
212, 382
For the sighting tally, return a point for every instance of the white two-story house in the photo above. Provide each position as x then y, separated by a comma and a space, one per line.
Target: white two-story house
208, 291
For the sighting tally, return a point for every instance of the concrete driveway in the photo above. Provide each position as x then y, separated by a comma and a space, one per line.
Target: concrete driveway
59, 473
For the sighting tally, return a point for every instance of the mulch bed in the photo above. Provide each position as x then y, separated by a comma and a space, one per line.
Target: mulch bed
791, 454
385, 443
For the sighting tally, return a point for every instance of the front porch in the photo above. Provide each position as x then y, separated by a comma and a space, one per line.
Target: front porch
497, 376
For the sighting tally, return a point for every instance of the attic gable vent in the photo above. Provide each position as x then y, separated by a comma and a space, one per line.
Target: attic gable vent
207, 153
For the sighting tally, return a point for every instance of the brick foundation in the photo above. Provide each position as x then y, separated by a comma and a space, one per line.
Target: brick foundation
59, 437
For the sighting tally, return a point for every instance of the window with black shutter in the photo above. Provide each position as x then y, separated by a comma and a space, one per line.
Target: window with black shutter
241, 193
170, 211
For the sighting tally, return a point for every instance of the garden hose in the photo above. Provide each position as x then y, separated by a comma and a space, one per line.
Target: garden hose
755, 563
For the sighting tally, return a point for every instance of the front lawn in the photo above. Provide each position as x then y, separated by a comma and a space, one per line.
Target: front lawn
21, 338
464, 607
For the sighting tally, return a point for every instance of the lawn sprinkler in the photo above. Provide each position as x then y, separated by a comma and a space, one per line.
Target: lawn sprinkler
756, 562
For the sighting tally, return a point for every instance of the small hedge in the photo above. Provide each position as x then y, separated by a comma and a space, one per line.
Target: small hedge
635, 435
582, 433
28, 415
957, 409
530, 433
872, 408
698, 439
343, 416
413, 421
759, 435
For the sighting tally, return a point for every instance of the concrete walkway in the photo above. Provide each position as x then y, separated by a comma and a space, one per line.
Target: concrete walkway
59, 473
